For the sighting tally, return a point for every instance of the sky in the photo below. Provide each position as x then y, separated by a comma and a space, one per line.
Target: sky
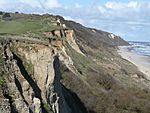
129, 19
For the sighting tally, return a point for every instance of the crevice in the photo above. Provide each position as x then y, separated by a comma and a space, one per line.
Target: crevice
57, 96
7, 96
19, 87
68, 101
46, 74
36, 89
5, 54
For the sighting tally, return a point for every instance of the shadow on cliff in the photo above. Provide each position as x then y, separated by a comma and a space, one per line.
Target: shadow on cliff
36, 89
18, 85
76, 105
66, 96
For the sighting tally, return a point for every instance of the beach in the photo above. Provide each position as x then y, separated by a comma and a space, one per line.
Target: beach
142, 62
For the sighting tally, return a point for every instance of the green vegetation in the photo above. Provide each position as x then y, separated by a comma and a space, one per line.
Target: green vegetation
14, 27
29, 25
47, 108
109, 90
1, 82
24, 26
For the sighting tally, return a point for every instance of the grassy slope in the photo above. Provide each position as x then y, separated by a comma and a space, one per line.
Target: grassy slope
18, 27
111, 90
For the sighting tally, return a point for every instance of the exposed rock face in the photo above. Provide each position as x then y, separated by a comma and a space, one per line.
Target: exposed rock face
5, 106
42, 60
57, 43
57, 33
70, 36
35, 76
37, 105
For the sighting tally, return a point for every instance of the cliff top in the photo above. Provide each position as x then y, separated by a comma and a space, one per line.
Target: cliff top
35, 26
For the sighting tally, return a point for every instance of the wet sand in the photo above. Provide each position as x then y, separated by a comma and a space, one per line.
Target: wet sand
141, 61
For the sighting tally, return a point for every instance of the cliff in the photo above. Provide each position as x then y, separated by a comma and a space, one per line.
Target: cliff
60, 66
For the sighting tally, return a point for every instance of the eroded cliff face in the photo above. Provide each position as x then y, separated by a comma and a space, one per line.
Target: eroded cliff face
33, 81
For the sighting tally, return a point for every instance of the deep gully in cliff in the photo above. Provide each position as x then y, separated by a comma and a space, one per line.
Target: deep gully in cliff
64, 100
19, 87
35, 87
27, 77
56, 99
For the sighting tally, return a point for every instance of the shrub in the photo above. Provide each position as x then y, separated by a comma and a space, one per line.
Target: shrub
1, 13
1, 82
6, 16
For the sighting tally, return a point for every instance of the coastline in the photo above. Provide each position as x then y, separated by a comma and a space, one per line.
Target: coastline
142, 62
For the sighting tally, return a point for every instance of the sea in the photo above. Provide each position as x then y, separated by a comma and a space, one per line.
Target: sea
140, 48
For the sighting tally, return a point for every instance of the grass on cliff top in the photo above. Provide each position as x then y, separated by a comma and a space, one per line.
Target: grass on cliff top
18, 27
14, 27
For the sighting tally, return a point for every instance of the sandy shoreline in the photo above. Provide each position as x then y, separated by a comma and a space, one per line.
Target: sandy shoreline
142, 62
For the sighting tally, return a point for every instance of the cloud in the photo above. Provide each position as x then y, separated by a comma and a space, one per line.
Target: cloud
132, 4
92, 21
50, 4
127, 19
126, 10
29, 6
77, 5
120, 5
101, 9
79, 20
32, 3
114, 5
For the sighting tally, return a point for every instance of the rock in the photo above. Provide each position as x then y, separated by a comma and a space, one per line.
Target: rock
42, 62
5, 106
112, 36
21, 106
57, 43
48, 34
25, 86
64, 26
37, 105
93, 30
57, 33
70, 37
